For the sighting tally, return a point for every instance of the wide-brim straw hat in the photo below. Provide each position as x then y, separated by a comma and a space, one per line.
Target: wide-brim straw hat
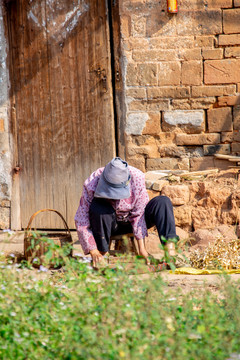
114, 181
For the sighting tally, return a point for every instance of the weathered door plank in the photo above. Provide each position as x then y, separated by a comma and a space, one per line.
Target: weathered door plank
65, 125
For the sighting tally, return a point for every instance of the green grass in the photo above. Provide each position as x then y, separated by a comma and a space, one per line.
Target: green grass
82, 314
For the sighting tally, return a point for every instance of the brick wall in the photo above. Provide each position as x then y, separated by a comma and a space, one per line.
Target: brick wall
181, 82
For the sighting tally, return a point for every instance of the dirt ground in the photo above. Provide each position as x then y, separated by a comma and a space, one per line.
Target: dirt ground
13, 244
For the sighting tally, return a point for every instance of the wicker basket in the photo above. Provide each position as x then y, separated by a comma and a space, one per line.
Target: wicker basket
35, 245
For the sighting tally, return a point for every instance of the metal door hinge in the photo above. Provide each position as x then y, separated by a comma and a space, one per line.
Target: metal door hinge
117, 75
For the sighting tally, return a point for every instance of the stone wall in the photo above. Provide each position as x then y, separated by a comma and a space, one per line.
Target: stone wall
181, 82
200, 201
5, 154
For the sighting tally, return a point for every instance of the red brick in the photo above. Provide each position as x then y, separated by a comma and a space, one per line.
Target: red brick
202, 163
137, 105
149, 105
154, 55
152, 126
173, 42
208, 162
221, 71
236, 117
230, 136
204, 41
158, 105
167, 164
169, 73
190, 54
172, 151
216, 149
228, 100
197, 139
199, 22
131, 78
212, 54
137, 161
229, 40
232, 52
167, 138
137, 2
236, 135
135, 43
192, 73
236, 148
193, 104
209, 4
136, 93
147, 74
147, 150
168, 92
218, 4
220, 90
231, 23
227, 137
220, 119
142, 74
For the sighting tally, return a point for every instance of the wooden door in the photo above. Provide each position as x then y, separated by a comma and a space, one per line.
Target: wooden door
61, 93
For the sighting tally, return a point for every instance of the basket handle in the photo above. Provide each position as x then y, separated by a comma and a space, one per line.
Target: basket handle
39, 211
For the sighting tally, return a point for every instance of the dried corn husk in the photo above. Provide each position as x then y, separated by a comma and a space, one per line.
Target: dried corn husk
221, 254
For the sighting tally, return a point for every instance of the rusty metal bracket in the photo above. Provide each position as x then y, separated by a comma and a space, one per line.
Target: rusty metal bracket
101, 74
17, 169
98, 71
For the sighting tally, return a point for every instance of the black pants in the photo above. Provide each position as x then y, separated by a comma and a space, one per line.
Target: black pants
103, 222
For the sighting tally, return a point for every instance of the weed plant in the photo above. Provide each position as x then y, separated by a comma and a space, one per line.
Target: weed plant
78, 313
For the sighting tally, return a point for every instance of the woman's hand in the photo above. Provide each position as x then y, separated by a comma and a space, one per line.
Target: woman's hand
142, 251
96, 257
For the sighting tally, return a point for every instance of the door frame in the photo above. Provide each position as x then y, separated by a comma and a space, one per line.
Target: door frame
119, 103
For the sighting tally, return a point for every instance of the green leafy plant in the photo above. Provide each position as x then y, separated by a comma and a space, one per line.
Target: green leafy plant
78, 313
172, 260
53, 254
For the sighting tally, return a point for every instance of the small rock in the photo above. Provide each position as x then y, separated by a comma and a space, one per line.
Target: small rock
183, 235
179, 194
202, 237
152, 242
